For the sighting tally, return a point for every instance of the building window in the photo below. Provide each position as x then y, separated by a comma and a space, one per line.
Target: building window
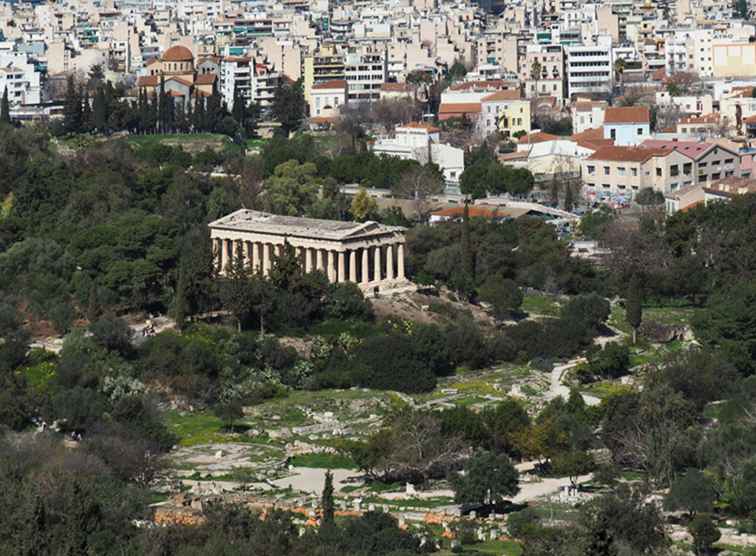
674, 170
687, 168
621, 171
591, 170
613, 134
640, 131
658, 172
634, 172
606, 170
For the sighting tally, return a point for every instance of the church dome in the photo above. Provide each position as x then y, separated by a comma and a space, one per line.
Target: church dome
178, 53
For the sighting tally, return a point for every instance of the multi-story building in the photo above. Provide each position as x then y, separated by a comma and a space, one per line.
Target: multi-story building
505, 112
590, 68
365, 71
542, 71
326, 63
587, 115
711, 161
20, 79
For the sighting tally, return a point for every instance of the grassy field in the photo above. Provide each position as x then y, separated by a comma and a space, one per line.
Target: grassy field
323, 461
178, 138
493, 548
541, 304
671, 316
197, 428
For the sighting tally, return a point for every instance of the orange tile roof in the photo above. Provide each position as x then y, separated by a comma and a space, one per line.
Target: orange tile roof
592, 139
459, 108
506, 94
627, 115
483, 84
421, 125
539, 137
332, 84
712, 118
626, 154
147, 81
205, 79
178, 53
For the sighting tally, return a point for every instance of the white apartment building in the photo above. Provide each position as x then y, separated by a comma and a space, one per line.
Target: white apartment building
590, 68
256, 83
420, 142
20, 79
365, 70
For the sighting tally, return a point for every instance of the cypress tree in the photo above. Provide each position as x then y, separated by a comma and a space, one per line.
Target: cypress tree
99, 109
5, 108
468, 258
180, 302
634, 305
86, 111
239, 107
327, 500
569, 199
72, 113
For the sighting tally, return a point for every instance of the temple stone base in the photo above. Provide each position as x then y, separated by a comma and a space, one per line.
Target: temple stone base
388, 288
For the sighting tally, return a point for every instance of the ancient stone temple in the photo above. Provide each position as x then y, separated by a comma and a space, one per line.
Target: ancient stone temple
368, 254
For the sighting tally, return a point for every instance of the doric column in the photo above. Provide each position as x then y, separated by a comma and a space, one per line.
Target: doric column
353, 266
266, 248
390, 262
224, 255
365, 266
319, 260
217, 254
377, 263
341, 276
331, 266
257, 262
249, 255
308, 259
400, 261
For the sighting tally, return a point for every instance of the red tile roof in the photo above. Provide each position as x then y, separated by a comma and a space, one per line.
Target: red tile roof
148, 81
626, 154
332, 84
457, 109
627, 115
539, 137
178, 53
421, 125
205, 79
506, 94
691, 149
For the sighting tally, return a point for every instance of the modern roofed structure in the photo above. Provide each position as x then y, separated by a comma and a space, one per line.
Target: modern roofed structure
369, 254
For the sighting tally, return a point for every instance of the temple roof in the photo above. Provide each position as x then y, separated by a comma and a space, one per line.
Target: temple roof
245, 220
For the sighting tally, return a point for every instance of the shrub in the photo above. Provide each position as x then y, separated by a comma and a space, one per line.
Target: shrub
391, 362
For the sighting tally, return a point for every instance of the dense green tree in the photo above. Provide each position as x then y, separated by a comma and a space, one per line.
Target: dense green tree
729, 324
488, 479
705, 533
72, 108
288, 106
292, 189
503, 295
693, 492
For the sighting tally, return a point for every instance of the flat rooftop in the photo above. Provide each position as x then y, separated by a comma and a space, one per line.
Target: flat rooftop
245, 220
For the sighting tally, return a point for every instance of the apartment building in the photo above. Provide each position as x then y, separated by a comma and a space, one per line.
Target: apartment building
21, 79
365, 71
711, 161
542, 72
627, 125
623, 171
326, 63
504, 112
590, 68
497, 49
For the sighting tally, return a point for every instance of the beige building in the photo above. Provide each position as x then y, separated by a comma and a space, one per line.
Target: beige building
734, 59
624, 171
368, 254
